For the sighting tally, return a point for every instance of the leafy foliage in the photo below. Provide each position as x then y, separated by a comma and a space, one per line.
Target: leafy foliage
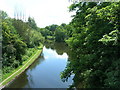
95, 44
17, 38
57, 33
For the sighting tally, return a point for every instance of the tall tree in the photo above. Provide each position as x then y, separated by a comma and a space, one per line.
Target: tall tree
95, 45
32, 23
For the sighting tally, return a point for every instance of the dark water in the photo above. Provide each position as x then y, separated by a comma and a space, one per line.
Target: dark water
45, 72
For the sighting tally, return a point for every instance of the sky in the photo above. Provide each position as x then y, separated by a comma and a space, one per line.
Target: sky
45, 12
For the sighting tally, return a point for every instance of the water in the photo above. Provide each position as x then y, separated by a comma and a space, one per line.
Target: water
45, 72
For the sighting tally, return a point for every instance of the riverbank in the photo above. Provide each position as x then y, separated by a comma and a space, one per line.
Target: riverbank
46, 70
22, 68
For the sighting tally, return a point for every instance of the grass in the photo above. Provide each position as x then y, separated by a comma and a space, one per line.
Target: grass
10, 76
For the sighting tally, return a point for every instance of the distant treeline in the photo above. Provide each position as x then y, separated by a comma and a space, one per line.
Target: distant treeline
57, 33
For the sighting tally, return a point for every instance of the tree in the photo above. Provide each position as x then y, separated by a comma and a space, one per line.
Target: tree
18, 40
95, 45
3, 15
31, 23
12, 46
59, 35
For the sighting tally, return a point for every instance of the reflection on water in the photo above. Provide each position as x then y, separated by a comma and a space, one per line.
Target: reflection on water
45, 71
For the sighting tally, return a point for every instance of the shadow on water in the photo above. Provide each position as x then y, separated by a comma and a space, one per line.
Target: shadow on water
22, 80
37, 62
60, 47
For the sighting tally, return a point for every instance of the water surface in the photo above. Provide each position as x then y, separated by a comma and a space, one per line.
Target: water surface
45, 71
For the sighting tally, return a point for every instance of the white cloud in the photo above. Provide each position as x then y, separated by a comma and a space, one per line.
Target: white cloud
46, 57
64, 56
52, 54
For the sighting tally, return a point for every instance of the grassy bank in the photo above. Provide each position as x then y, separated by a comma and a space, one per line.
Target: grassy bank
10, 76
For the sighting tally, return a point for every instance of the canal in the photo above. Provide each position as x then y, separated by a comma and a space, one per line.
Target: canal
45, 71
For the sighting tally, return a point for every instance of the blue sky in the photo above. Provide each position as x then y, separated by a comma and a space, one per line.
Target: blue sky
45, 12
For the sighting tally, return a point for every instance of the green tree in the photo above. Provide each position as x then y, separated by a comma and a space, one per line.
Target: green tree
32, 23
12, 46
95, 45
18, 42
59, 35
